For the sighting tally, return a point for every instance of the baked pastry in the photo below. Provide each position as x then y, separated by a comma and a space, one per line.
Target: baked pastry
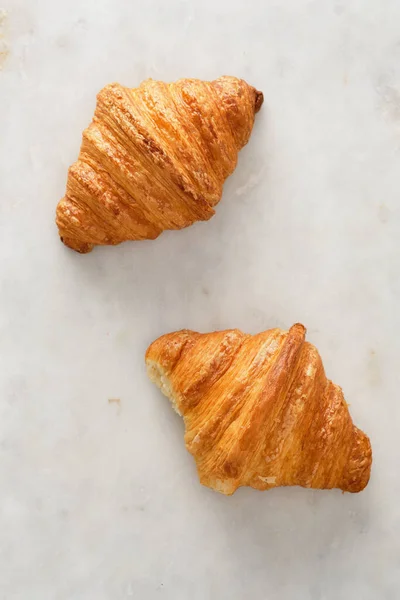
154, 157
259, 410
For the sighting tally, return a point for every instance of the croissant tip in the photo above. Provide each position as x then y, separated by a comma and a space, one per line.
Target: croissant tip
259, 99
80, 247
298, 328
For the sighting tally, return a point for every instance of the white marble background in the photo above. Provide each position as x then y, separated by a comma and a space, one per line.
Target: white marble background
100, 500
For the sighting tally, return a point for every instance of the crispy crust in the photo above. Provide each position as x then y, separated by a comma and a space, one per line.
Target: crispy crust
154, 158
259, 410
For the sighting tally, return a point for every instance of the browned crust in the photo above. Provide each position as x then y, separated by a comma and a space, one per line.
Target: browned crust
154, 157
259, 410
258, 100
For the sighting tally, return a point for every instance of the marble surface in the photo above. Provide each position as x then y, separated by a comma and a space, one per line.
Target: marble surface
99, 499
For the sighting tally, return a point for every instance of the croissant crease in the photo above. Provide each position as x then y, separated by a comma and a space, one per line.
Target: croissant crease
259, 410
154, 157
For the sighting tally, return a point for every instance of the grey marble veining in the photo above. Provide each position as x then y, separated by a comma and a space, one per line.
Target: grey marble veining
99, 499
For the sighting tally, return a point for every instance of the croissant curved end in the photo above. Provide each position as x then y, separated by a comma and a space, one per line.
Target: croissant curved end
259, 410
259, 99
81, 248
357, 472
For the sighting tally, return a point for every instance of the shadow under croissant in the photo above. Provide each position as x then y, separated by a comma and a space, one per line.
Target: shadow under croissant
261, 531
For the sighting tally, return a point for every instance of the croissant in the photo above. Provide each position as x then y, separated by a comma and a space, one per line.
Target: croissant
154, 157
259, 410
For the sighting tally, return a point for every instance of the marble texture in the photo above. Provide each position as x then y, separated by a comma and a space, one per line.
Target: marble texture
99, 499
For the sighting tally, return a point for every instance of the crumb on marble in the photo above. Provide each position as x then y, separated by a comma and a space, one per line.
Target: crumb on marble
114, 401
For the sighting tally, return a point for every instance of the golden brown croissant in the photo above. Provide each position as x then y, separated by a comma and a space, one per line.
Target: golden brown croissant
154, 157
259, 410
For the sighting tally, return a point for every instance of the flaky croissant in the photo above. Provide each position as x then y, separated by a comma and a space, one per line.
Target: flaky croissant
259, 410
154, 157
